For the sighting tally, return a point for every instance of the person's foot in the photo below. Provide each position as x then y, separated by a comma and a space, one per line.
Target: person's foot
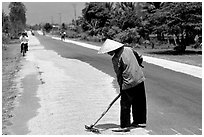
138, 125
142, 125
126, 129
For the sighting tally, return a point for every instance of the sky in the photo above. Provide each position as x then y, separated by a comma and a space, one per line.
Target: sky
52, 12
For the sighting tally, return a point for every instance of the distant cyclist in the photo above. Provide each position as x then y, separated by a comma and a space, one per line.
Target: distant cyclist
32, 32
24, 41
63, 35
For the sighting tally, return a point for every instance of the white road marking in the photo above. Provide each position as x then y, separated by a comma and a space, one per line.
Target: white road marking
189, 131
177, 133
176, 66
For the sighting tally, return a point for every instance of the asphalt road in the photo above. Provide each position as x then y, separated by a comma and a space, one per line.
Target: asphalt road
174, 99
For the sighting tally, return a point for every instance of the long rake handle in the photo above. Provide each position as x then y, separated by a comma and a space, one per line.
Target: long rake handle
107, 109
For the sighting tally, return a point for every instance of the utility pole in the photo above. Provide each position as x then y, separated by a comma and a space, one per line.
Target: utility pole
74, 5
60, 18
52, 19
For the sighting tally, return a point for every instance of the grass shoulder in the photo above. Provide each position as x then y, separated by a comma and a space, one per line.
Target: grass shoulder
11, 57
191, 56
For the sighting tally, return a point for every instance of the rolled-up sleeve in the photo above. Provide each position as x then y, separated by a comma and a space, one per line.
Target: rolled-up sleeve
118, 66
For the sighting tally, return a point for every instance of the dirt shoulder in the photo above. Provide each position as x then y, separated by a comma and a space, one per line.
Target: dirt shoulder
10, 66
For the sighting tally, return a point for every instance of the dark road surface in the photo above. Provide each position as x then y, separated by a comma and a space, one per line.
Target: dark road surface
174, 99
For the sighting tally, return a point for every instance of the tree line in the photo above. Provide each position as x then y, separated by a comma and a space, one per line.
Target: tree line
127, 22
15, 22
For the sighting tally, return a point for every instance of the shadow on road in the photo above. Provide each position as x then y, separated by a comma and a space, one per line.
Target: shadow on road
112, 126
173, 52
107, 126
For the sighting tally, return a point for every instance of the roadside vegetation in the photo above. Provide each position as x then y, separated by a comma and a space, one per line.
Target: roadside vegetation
138, 23
175, 25
12, 26
169, 30
14, 23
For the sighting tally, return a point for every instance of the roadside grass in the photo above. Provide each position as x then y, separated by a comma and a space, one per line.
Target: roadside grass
10, 66
191, 56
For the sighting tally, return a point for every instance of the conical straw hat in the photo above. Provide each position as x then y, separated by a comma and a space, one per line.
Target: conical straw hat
109, 45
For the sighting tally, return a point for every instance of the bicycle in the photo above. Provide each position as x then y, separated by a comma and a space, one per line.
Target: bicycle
24, 48
63, 37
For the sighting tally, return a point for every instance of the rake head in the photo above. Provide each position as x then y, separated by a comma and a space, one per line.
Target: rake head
92, 129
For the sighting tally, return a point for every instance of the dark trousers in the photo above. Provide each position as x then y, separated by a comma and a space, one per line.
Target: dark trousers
136, 98
25, 46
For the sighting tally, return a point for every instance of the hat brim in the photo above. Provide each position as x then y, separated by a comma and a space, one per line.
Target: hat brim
109, 45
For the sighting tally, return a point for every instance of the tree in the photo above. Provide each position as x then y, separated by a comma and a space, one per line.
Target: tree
116, 20
17, 16
35, 27
125, 15
47, 27
96, 15
5, 28
182, 19
5, 23
63, 27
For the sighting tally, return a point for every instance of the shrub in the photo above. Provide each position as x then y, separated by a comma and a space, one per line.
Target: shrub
5, 38
83, 36
113, 31
128, 36
72, 34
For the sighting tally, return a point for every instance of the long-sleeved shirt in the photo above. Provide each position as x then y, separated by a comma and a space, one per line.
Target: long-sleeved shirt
24, 39
127, 69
